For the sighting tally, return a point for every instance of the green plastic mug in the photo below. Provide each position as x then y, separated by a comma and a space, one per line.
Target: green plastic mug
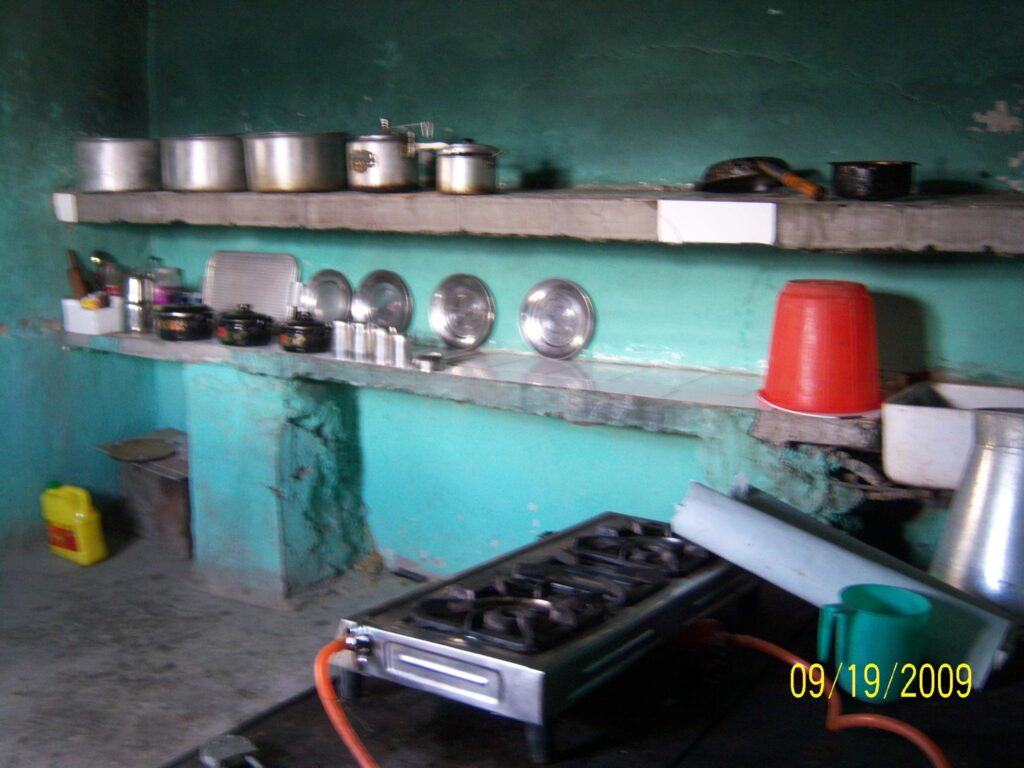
879, 636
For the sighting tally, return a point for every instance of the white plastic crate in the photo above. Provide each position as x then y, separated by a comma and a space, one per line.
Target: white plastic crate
93, 322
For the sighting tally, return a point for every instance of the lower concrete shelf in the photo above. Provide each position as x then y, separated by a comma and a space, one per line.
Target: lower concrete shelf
657, 399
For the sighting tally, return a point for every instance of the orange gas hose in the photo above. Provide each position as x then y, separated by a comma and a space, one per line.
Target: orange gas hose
329, 699
835, 720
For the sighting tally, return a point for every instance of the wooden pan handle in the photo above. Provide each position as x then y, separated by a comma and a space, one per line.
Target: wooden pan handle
802, 185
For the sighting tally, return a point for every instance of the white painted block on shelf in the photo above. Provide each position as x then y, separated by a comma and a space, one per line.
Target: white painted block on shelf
65, 207
716, 221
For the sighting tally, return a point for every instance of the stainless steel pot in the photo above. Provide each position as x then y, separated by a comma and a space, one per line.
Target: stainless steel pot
382, 162
294, 162
467, 168
202, 163
117, 165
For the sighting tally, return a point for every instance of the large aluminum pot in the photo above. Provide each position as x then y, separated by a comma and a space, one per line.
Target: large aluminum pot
294, 162
202, 163
382, 162
117, 165
467, 168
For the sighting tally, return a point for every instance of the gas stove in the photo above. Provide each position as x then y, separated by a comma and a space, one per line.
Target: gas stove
528, 634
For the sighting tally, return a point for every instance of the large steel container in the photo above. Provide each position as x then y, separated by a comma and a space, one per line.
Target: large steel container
202, 163
294, 162
117, 165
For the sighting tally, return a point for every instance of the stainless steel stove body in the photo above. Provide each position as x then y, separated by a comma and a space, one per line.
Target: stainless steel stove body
528, 634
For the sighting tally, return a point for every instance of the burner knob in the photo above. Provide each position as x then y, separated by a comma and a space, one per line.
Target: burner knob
359, 644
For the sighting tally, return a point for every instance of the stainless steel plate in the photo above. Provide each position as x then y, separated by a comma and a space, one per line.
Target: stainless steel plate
383, 299
264, 281
327, 296
462, 311
557, 318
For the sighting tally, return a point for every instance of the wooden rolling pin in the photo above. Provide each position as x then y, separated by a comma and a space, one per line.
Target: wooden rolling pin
75, 277
789, 179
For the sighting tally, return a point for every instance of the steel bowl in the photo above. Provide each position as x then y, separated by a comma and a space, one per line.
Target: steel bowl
383, 299
202, 164
462, 311
557, 318
117, 165
294, 162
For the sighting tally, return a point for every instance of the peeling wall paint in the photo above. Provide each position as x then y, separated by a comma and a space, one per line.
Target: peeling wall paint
1001, 118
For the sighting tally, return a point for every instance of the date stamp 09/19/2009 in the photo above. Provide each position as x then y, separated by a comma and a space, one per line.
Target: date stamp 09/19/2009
868, 681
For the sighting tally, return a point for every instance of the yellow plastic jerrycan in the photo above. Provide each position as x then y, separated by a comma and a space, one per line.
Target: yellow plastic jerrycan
73, 524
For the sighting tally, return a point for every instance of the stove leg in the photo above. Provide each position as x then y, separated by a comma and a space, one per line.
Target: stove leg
349, 685
540, 743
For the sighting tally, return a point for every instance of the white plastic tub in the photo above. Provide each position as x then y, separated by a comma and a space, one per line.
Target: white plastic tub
93, 322
928, 430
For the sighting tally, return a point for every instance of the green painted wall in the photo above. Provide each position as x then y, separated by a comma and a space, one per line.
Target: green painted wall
621, 91
66, 69
614, 92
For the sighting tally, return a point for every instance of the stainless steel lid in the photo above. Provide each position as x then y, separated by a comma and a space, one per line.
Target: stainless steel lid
557, 318
468, 147
462, 311
383, 299
327, 296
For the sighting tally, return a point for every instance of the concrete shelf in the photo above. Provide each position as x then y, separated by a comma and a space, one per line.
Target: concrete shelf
671, 400
972, 223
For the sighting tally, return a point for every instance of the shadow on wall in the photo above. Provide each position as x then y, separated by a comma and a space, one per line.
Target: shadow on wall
547, 175
902, 338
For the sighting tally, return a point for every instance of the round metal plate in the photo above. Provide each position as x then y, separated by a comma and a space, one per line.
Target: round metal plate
462, 311
327, 296
557, 318
383, 299
142, 449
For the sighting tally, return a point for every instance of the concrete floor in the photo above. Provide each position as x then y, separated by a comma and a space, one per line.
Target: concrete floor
127, 663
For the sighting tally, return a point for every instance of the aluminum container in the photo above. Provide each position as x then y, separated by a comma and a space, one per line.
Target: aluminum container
981, 550
294, 162
202, 164
117, 165
382, 162
138, 302
467, 168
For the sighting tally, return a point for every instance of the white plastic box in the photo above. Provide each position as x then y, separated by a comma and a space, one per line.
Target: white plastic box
93, 322
928, 430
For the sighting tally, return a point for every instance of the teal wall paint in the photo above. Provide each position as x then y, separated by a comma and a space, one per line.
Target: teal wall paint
699, 307
616, 92
66, 69
275, 496
450, 485
621, 91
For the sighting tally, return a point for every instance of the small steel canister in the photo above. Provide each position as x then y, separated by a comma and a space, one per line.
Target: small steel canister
138, 303
362, 342
344, 339
383, 346
400, 347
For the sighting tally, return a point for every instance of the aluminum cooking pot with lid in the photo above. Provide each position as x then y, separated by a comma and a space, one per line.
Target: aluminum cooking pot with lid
467, 168
387, 160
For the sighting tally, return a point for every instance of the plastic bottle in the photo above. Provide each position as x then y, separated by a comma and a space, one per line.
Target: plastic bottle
73, 524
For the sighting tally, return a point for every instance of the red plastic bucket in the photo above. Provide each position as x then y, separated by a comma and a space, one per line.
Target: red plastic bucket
824, 350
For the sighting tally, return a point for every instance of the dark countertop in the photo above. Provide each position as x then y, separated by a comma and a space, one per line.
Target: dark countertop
707, 709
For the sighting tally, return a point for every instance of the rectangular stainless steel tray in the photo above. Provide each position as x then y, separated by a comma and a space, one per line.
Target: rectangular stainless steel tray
267, 282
